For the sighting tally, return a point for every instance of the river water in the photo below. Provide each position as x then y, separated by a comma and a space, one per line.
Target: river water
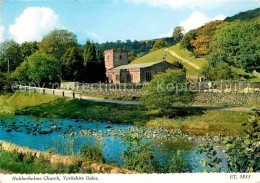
62, 136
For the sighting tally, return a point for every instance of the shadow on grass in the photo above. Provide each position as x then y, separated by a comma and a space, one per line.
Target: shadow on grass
73, 108
80, 109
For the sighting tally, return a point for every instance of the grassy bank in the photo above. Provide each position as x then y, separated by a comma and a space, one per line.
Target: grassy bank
16, 163
58, 107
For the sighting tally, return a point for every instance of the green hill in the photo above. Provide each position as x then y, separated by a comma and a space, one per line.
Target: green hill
158, 55
251, 15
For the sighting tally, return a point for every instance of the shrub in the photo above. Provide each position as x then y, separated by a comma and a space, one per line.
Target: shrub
221, 71
186, 40
139, 156
161, 43
243, 152
212, 160
6, 81
93, 152
179, 163
166, 92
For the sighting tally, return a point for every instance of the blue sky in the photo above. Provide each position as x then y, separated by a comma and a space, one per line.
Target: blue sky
110, 20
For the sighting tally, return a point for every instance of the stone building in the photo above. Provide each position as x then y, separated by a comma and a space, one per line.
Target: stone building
119, 71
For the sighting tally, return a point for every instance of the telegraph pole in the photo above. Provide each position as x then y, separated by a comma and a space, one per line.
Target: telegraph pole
8, 65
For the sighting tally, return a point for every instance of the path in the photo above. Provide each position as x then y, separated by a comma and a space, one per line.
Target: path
77, 95
110, 101
222, 108
183, 59
139, 103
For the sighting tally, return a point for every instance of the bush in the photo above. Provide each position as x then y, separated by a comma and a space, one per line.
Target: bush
221, 71
6, 81
186, 40
93, 152
139, 156
161, 43
179, 163
166, 92
243, 153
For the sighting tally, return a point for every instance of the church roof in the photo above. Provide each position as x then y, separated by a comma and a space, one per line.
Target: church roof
136, 66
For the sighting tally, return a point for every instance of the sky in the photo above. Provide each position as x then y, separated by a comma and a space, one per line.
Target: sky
111, 20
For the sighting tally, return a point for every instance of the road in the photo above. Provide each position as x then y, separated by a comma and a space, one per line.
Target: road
122, 102
77, 95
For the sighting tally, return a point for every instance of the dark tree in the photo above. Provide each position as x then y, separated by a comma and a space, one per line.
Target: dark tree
28, 48
10, 56
72, 65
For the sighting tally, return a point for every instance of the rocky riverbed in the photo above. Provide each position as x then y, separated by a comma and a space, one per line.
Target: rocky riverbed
67, 136
75, 127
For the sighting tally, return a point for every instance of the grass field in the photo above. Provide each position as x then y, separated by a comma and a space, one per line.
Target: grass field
155, 56
58, 107
158, 55
16, 163
184, 53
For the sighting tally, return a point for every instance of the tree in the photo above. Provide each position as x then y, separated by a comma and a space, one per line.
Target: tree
72, 64
89, 53
222, 71
6, 82
178, 33
237, 44
28, 48
167, 91
41, 68
186, 40
161, 43
101, 69
21, 72
204, 36
100, 54
57, 43
9, 53
130, 56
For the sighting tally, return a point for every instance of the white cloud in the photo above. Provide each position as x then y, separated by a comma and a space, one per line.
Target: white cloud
219, 17
175, 4
2, 29
93, 35
33, 24
169, 34
197, 19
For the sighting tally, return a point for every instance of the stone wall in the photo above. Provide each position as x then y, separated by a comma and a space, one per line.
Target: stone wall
65, 160
236, 98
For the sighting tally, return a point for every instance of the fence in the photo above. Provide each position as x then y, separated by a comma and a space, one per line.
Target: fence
57, 92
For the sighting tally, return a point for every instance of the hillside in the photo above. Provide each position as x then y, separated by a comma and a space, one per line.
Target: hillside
251, 15
158, 55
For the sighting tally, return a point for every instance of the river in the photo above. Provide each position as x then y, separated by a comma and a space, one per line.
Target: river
67, 136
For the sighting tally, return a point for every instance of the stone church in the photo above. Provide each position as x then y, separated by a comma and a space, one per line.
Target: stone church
119, 71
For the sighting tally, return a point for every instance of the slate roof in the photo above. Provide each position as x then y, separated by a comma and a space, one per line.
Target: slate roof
136, 66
